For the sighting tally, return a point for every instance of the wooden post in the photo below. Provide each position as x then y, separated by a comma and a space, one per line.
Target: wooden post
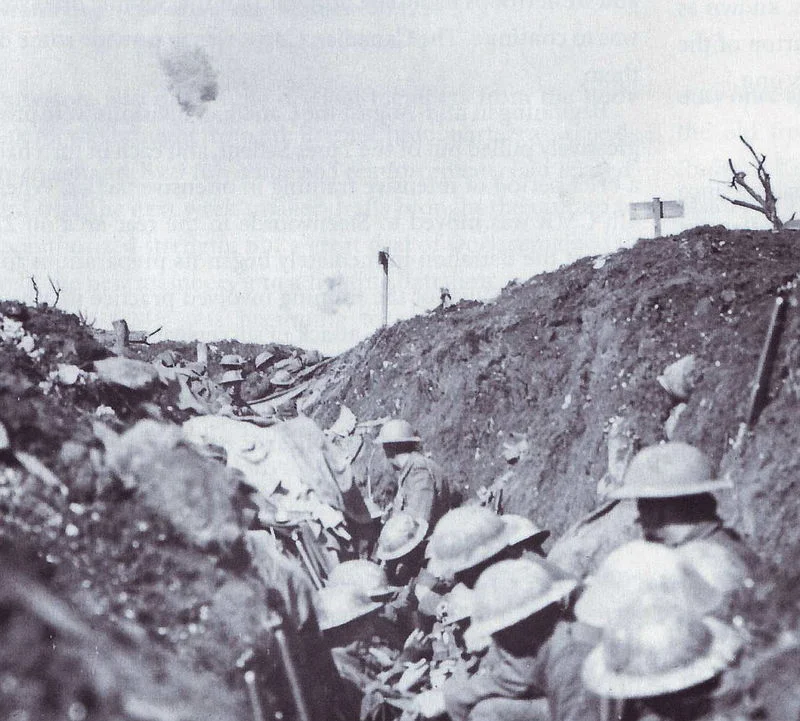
121, 336
383, 259
202, 353
656, 217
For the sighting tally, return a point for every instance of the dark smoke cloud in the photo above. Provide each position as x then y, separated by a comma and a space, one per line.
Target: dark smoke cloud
191, 78
335, 296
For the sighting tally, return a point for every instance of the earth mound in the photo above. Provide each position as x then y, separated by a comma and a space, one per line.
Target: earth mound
558, 369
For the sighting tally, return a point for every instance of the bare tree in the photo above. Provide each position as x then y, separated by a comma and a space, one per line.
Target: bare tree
35, 290
84, 320
56, 290
765, 201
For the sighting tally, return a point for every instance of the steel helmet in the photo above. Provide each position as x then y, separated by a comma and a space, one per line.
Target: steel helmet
338, 605
523, 529
167, 358
229, 377
400, 535
397, 430
465, 537
510, 591
263, 358
658, 649
720, 568
232, 360
281, 378
669, 470
638, 570
365, 576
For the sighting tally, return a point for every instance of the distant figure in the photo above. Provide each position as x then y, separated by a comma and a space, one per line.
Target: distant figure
231, 361
445, 299
257, 384
231, 381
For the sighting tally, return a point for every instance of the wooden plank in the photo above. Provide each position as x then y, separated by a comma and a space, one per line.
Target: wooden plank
672, 209
644, 211
641, 211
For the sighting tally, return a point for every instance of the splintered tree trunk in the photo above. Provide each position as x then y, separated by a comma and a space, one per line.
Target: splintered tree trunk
763, 202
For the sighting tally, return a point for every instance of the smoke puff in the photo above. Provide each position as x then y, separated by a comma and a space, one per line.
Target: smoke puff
191, 78
335, 296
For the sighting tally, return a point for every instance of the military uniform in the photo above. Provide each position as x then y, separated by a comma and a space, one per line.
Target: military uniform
422, 491
508, 686
715, 532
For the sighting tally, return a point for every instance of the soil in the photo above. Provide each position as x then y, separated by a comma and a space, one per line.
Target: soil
117, 615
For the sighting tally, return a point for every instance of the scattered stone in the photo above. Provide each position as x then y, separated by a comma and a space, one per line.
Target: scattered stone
126, 372
679, 378
68, 374
345, 424
515, 447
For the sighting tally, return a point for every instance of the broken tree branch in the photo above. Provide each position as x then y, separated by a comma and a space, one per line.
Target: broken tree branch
56, 290
742, 203
35, 290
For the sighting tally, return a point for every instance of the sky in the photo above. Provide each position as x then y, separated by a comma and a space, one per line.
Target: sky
231, 170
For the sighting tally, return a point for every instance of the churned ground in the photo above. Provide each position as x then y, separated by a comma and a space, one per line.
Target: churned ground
117, 612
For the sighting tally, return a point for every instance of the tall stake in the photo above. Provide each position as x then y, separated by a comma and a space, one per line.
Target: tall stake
383, 259
656, 217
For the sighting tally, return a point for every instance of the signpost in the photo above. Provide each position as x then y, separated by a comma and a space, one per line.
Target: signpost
657, 209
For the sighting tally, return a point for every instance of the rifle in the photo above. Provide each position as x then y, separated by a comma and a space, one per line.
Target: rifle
275, 624
766, 361
252, 694
306, 559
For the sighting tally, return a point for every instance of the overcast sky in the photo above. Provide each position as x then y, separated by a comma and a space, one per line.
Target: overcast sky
479, 141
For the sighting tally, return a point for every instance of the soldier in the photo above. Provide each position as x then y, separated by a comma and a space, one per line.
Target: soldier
532, 667
526, 537
643, 569
347, 620
257, 384
365, 576
231, 381
231, 361
672, 484
401, 549
660, 662
422, 492
366, 648
470, 539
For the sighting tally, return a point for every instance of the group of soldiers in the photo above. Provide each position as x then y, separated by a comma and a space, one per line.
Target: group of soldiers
240, 381
460, 615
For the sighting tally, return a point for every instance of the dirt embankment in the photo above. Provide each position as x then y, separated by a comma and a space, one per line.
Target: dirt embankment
557, 357
108, 611
129, 619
